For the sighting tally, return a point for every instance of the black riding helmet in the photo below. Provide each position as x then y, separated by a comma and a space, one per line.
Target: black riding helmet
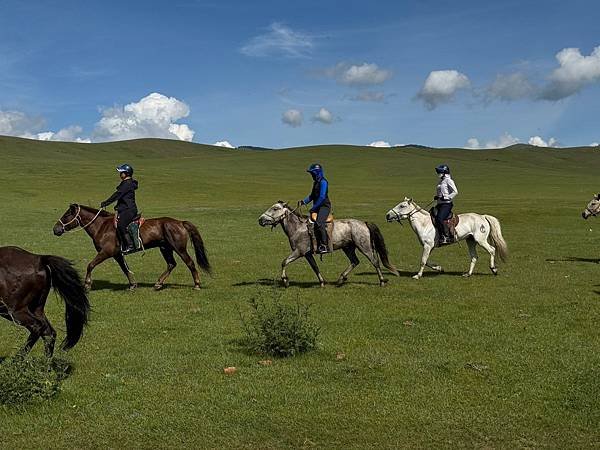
125, 168
442, 169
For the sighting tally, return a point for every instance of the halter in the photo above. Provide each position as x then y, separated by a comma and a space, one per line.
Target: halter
590, 211
413, 212
283, 216
78, 219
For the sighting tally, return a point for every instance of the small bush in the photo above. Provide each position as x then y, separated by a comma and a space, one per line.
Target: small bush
24, 379
276, 329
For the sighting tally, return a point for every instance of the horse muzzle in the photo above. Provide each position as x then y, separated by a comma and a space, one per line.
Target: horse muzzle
264, 221
58, 230
391, 216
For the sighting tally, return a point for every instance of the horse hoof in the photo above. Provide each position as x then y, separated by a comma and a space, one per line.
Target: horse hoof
494, 270
158, 287
322, 284
87, 289
438, 269
416, 277
382, 283
132, 287
286, 282
466, 275
197, 287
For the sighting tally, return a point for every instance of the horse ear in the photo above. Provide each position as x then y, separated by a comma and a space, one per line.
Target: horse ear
597, 197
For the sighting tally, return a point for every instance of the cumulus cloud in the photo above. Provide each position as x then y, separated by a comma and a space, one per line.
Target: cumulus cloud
369, 96
594, 144
153, 116
505, 140
576, 71
510, 87
365, 74
225, 144
381, 144
324, 116
292, 117
279, 40
441, 87
17, 123
68, 134
540, 142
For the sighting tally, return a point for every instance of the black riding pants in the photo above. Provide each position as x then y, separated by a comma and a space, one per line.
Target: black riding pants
321, 224
443, 213
125, 218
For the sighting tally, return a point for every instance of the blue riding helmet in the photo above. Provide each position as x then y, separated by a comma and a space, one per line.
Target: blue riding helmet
442, 169
125, 168
316, 170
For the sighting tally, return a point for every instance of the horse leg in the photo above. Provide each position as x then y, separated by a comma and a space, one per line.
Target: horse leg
370, 253
492, 251
290, 259
49, 335
167, 253
98, 259
354, 261
435, 267
125, 268
424, 257
24, 318
473, 252
313, 265
189, 262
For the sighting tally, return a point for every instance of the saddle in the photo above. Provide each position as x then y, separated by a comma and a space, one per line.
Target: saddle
451, 223
313, 237
134, 230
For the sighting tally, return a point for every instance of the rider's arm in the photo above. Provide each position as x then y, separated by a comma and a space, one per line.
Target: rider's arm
322, 193
116, 196
452, 191
308, 199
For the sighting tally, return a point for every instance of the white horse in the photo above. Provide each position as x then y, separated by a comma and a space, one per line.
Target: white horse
474, 228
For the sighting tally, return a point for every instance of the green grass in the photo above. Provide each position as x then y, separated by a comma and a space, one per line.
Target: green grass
444, 362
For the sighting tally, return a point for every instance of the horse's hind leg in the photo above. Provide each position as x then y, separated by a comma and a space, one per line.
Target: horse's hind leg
188, 261
24, 318
125, 268
286, 261
473, 253
370, 253
49, 335
313, 265
167, 253
350, 252
492, 251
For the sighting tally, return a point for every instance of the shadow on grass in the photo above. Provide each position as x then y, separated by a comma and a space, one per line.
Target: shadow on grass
575, 259
105, 285
301, 284
426, 274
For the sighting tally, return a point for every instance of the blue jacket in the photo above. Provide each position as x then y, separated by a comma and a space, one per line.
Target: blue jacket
319, 195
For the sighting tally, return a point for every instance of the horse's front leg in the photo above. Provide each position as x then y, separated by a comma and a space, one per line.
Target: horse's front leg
313, 264
426, 251
98, 259
290, 259
125, 268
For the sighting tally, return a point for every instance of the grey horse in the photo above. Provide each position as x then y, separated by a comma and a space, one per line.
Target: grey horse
348, 235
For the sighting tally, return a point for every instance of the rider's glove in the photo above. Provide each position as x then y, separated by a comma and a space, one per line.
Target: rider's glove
436, 198
103, 205
301, 202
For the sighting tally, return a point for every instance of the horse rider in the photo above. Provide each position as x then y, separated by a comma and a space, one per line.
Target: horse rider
126, 207
445, 192
321, 205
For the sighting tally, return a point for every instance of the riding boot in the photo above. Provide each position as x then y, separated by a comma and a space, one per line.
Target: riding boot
445, 238
129, 247
322, 240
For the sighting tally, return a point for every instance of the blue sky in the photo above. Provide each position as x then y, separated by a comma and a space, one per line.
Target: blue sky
279, 74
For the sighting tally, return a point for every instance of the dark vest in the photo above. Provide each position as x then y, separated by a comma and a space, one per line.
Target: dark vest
316, 190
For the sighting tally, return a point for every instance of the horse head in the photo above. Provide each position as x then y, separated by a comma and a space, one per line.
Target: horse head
68, 221
401, 211
592, 208
274, 215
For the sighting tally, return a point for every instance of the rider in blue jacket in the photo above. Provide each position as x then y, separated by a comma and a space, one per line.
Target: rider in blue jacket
321, 205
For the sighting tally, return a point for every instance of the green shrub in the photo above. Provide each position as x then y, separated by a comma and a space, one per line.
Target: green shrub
276, 329
24, 379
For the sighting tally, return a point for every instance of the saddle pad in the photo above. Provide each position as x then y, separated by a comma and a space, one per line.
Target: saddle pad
139, 220
313, 217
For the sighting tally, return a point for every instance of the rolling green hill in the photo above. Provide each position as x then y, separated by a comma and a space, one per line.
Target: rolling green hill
443, 362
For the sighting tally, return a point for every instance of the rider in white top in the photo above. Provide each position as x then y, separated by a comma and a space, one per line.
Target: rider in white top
445, 192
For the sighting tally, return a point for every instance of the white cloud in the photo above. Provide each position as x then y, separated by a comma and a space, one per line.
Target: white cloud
594, 144
225, 144
324, 116
365, 74
575, 72
505, 140
441, 86
510, 87
369, 96
153, 116
381, 144
540, 142
292, 117
17, 123
280, 40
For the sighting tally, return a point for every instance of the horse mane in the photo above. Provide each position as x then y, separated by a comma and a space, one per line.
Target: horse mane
92, 210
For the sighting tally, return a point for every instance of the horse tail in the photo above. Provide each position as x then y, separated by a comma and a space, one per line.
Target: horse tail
67, 282
497, 239
201, 257
378, 244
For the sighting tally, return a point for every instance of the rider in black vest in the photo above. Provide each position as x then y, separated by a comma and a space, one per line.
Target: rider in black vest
319, 196
126, 207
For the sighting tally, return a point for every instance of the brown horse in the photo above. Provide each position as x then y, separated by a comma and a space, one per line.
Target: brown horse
25, 281
169, 235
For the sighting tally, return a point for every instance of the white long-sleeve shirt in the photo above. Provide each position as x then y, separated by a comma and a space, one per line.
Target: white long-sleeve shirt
446, 190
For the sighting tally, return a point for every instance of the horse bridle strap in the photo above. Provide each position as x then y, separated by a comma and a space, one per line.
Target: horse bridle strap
77, 219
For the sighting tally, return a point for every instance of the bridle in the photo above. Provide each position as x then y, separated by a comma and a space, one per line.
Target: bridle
78, 219
275, 222
417, 209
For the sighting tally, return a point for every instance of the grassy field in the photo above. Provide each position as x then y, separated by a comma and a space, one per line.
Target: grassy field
490, 362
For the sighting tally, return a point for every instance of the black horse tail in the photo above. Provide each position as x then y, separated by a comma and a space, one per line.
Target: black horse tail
67, 282
201, 257
379, 246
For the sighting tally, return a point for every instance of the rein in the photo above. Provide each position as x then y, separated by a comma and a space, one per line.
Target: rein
283, 216
79, 221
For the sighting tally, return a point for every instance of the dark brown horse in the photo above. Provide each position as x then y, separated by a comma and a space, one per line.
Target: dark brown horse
25, 281
169, 235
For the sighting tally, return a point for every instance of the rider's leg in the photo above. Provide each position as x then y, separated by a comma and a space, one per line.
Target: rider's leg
321, 224
443, 212
125, 219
